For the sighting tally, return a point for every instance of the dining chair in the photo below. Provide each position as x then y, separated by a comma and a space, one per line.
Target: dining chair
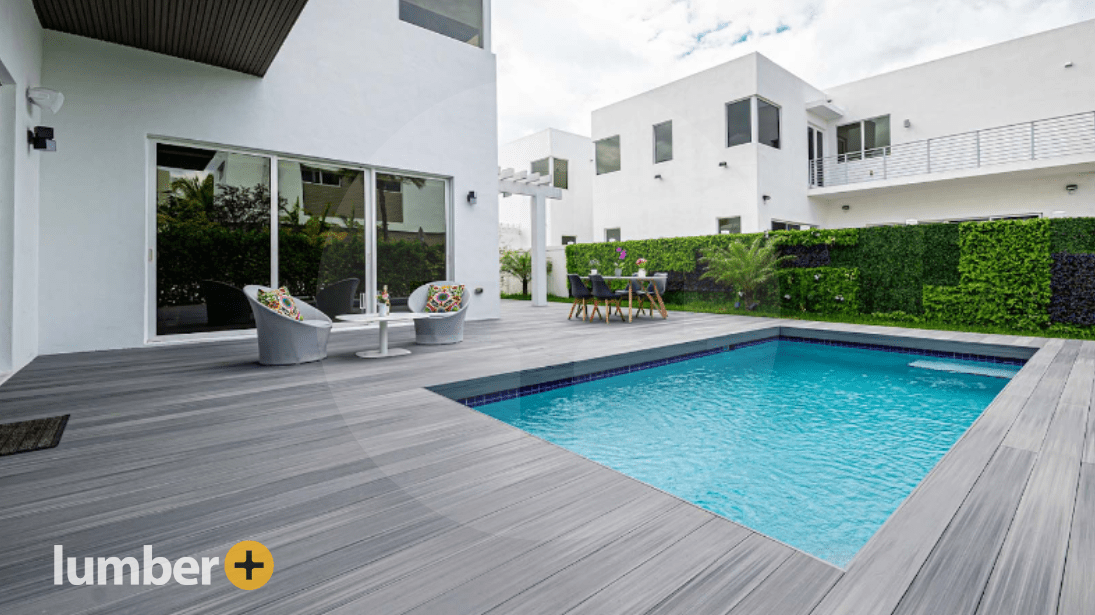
581, 294
636, 289
660, 280
601, 292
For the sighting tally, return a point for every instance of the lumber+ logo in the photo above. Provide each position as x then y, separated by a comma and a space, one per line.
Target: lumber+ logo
248, 565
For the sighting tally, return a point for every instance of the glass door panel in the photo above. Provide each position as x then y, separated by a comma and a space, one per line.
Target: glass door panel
411, 234
212, 237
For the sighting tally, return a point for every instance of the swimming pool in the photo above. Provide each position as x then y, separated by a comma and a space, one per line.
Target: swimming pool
813, 445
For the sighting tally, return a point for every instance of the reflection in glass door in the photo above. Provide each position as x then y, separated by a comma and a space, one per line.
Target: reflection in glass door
411, 234
212, 237
815, 139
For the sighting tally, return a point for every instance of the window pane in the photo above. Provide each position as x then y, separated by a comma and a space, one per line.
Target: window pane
730, 225
663, 142
321, 233
849, 139
212, 237
876, 132
569, 239
768, 123
739, 123
543, 167
562, 174
410, 234
459, 19
608, 155
612, 234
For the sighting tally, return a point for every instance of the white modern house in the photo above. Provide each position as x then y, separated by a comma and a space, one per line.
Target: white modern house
1003, 131
376, 118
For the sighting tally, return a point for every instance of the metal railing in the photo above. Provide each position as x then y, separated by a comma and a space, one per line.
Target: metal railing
1037, 140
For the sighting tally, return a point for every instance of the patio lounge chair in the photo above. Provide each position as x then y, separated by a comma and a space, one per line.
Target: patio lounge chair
442, 328
601, 292
581, 294
224, 304
337, 298
286, 341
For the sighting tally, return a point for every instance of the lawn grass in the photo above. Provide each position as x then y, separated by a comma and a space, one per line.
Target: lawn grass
718, 307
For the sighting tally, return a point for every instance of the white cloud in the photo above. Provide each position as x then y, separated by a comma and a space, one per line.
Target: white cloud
558, 60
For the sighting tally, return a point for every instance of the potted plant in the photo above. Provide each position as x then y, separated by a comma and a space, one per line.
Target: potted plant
622, 254
641, 264
593, 264
383, 302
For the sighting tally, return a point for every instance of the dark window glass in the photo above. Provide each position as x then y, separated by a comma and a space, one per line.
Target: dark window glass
561, 177
730, 225
569, 239
612, 234
663, 142
876, 134
608, 155
458, 19
849, 140
543, 166
768, 123
739, 123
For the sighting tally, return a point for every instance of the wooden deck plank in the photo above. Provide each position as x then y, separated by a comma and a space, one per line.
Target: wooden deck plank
953, 577
795, 588
1078, 588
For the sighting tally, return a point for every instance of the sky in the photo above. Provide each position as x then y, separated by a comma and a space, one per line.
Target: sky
558, 60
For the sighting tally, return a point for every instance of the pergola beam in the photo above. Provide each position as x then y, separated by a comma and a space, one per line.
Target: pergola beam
540, 189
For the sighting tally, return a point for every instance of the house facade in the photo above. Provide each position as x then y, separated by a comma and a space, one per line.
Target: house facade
1003, 131
314, 141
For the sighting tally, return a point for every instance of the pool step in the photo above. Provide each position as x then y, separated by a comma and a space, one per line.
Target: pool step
994, 371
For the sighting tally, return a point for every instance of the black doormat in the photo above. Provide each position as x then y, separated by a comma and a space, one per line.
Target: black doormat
34, 435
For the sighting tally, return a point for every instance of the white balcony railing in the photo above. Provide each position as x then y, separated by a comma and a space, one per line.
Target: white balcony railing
1037, 140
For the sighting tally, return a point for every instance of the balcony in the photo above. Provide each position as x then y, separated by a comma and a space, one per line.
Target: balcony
1037, 141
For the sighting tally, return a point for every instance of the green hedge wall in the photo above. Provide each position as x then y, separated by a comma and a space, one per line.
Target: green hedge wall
825, 290
1005, 272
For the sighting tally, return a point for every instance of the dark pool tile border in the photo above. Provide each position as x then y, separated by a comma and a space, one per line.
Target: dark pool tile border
532, 389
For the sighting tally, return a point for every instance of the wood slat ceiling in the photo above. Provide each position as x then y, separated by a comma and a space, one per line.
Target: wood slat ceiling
241, 35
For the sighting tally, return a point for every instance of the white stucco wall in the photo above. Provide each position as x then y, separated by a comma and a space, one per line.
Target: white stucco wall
20, 68
352, 84
694, 190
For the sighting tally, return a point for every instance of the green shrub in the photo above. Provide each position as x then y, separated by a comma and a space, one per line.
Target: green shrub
827, 290
1072, 235
940, 254
890, 262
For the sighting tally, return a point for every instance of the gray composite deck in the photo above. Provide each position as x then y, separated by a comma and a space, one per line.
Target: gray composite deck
376, 495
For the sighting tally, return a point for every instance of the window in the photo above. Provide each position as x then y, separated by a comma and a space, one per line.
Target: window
320, 177
569, 239
866, 138
780, 225
612, 234
739, 122
729, 226
458, 19
767, 123
561, 177
663, 142
542, 166
608, 155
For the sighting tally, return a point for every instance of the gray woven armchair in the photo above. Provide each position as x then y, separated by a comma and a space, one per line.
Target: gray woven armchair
444, 327
285, 341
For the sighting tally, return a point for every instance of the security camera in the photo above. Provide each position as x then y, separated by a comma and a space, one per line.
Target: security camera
46, 98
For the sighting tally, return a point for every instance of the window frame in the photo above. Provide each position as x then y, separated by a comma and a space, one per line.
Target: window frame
750, 122
555, 173
654, 130
779, 122
619, 234
597, 155
861, 153
718, 225
573, 240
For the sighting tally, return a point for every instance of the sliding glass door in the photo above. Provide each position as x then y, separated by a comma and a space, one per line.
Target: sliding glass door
216, 211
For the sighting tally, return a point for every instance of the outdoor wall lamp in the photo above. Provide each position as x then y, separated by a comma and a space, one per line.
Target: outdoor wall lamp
845, 207
46, 98
1068, 64
1071, 188
657, 177
471, 198
723, 164
766, 198
908, 124
41, 138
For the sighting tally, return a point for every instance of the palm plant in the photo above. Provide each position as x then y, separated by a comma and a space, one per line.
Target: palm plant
743, 268
518, 263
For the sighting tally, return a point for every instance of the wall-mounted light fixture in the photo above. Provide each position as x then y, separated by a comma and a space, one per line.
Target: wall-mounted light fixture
41, 138
471, 198
1068, 64
908, 124
766, 198
657, 177
46, 98
845, 207
723, 164
1071, 188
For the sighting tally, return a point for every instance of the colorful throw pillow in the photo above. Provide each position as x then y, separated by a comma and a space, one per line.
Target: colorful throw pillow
444, 298
281, 302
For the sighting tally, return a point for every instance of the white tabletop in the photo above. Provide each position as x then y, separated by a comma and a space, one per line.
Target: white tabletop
376, 318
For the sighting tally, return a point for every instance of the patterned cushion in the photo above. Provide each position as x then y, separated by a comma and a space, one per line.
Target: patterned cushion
444, 298
281, 302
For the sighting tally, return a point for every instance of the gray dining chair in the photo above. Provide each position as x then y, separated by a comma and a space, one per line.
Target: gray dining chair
442, 327
287, 341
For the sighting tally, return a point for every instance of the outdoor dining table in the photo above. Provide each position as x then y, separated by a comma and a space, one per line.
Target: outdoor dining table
631, 291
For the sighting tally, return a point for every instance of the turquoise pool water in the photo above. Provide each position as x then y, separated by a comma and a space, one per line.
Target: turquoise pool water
813, 445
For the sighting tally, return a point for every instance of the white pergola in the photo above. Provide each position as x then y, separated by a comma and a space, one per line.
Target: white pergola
540, 188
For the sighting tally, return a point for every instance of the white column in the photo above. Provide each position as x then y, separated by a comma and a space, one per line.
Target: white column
539, 250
